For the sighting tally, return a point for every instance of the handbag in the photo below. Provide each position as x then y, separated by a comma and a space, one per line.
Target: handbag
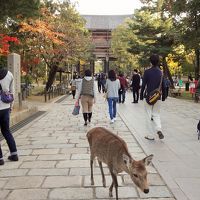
155, 95
6, 97
76, 109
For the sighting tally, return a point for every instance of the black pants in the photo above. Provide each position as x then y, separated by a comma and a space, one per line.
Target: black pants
5, 130
122, 95
135, 95
73, 93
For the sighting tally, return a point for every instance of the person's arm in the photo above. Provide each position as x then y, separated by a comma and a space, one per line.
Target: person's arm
95, 93
144, 82
79, 91
11, 90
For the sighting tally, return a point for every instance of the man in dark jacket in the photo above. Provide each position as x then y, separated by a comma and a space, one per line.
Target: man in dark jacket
135, 85
151, 81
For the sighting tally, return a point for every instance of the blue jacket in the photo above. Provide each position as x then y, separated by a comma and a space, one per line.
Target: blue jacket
151, 81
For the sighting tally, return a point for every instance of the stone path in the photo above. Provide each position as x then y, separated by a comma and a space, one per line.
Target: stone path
54, 159
177, 157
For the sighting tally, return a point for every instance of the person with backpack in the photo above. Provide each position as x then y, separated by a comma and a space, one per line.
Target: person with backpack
152, 81
6, 86
87, 94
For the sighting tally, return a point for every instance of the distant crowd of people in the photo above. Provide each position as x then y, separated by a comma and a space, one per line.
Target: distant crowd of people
115, 87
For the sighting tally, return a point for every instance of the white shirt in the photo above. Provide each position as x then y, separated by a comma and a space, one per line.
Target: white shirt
7, 85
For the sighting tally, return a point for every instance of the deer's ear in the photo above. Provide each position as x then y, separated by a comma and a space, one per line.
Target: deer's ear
126, 159
148, 159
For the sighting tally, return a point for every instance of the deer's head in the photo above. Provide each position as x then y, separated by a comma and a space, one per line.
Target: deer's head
137, 171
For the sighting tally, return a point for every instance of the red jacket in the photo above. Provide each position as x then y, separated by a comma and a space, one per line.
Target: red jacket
123, 82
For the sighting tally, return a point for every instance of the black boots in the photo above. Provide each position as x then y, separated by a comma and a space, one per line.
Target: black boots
13, 158
87, 116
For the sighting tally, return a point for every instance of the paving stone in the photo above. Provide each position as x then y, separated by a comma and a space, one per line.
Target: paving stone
24, 182
80, 157
62, 181
27, 158
3, 182
13, 172
45, 151
38, 164
98, 181
24, 152
123, 192
10, 165
29, 194
49, 172
32, 146
71, 193
3, 194
74, 150
54, 157
60, 146
73, 163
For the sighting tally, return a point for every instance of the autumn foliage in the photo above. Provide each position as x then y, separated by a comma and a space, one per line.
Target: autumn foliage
5, 43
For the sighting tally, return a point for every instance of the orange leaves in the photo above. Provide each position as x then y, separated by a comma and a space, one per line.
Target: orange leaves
4, 43
42, 29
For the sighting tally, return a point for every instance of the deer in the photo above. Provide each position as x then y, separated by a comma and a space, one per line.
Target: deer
112, 150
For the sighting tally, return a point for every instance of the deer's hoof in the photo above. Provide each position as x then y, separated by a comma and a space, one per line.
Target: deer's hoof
104, 184
92, 182
110, 194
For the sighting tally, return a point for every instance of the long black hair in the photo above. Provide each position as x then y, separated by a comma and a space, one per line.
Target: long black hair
112, 75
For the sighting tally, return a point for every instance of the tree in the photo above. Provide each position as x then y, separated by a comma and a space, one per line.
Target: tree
57, 37
188, 23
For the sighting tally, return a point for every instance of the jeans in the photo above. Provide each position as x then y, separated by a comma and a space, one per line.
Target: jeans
112, 105
5, 130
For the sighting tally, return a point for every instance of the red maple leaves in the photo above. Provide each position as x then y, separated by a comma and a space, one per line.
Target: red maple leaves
5, 43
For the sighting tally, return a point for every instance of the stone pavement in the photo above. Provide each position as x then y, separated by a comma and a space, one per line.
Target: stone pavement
177, 157
54, 158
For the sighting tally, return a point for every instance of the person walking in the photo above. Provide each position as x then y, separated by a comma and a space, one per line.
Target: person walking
103, 82
78, 84
87, 95
99, 82
73, 86
6, 85
135, 84
112, 87
123, 87
152, 79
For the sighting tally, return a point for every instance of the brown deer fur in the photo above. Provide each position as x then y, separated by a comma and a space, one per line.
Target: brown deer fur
112, 150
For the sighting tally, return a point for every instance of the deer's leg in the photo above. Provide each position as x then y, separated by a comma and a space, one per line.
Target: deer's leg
110, 190
102, 173
115, 183
91, 167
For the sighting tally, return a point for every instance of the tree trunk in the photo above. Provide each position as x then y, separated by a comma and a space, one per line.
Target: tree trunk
167, 72
51, 77
197, 66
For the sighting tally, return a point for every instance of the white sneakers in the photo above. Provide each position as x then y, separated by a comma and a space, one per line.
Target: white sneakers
113, 120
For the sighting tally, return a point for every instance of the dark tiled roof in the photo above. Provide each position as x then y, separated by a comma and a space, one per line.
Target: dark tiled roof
109, 22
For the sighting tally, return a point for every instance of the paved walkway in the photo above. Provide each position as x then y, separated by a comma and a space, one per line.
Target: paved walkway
177, 157
54, 154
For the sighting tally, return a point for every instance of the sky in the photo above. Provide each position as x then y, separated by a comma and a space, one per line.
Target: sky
106, 7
